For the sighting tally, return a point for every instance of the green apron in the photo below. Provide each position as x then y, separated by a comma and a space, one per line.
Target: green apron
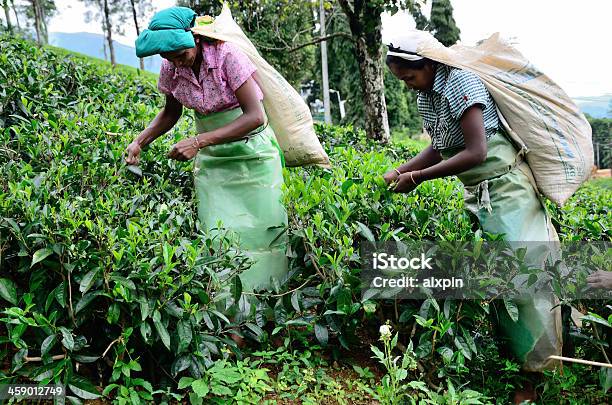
239, 185
501, 193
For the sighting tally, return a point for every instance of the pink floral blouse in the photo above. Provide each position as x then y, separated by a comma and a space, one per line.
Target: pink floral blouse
224, 69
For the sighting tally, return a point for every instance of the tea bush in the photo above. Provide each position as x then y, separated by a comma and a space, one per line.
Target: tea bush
107, 280
100, 264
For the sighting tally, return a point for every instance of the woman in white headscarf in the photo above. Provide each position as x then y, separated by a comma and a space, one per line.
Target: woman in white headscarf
468, 141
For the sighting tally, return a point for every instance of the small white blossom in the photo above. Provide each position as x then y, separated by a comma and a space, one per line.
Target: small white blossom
385, 331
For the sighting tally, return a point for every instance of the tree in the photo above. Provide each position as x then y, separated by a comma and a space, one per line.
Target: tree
135, 16
138, 9
344, 76
365, 25
39, 22
105, 11
16, 14
442, 23
5, 5
282, 31
602, 140
378, 87
38, 12
109, 31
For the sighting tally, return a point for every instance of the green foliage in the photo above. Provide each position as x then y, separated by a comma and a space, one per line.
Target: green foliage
276, 28
586, 216
245, 382
443, 24
100, 264
394, 391
103, 268
602, 140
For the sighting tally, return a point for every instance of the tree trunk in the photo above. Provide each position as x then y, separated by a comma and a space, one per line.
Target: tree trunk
104, 49
40, 22
36, 20
43, 23
16, 14
137, 29
368, 48
8, 16
373, 88
109, 33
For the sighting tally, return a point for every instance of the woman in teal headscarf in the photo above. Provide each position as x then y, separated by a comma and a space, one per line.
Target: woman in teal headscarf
238, 164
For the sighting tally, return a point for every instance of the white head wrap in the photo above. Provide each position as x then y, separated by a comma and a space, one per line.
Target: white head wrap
406, 44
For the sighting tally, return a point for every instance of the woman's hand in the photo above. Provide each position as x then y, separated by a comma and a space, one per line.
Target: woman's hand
406, 182
184, 150
133, 153
391, 176
600, 279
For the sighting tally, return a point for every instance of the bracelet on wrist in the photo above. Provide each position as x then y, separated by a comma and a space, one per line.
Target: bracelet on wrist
418, 174
196, 143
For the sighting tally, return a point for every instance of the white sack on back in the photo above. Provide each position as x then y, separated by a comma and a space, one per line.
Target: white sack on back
537, 114
289, 115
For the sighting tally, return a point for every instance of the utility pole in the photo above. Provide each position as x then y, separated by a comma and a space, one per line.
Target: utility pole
324, 64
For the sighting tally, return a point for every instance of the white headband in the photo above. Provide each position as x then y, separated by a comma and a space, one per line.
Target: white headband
406, 44
403, 54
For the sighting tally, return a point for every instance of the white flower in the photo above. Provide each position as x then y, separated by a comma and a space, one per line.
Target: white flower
385, 331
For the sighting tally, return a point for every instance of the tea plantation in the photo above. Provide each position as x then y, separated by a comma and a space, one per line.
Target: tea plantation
108, 286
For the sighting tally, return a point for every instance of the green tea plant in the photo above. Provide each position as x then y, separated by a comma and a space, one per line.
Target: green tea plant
109, 286
105, 271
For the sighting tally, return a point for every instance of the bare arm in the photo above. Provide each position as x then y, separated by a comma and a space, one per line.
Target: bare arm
474, 153
162, 123
251, 118
426, 158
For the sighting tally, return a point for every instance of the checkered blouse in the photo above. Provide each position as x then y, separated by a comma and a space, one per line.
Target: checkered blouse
454, 90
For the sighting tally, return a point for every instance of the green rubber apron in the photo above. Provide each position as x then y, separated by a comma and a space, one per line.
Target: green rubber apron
501, 193
239, 188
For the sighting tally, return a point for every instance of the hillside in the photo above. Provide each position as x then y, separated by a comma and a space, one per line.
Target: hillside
596, 107
93, 45
109, 286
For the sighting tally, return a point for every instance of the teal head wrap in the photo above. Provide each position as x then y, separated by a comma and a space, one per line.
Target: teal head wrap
168, 31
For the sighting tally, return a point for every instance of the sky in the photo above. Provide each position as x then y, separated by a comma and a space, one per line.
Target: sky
568, 40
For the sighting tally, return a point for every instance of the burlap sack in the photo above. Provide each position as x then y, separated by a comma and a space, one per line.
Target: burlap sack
289, 115
538, 115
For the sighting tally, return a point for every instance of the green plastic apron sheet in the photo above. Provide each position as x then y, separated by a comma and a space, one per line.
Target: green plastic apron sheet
501, 194
239, 184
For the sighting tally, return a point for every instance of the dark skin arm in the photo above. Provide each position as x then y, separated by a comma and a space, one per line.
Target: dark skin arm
251, 118
426, 158
474, 153
162, 123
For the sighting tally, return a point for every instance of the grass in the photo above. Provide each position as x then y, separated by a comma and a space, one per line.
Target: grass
604, 182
